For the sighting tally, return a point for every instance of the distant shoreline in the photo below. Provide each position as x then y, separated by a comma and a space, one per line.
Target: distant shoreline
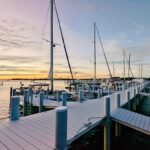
69, 79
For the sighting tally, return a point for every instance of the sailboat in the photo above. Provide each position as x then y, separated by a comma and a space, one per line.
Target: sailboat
52, 45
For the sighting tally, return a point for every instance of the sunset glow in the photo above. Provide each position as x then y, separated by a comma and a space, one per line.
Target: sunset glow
124, 25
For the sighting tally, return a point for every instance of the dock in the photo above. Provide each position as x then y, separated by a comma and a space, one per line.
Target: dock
37, 132
133, 120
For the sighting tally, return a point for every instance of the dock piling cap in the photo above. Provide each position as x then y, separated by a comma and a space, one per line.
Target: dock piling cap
61, 108
14, 97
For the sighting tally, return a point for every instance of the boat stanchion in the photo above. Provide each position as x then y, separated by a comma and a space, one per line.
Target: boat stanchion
99, 93
64, 99
41, 101
107, 123
14, 108
117, 105
128, 98
61, 128
58, 96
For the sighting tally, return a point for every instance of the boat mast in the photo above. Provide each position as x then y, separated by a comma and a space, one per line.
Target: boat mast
124, 65
94, 52
129, 68
141, 71
52, 43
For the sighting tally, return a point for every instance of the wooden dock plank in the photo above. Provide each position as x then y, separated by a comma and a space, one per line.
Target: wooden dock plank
27, 137
147, 123
9, 142
3, 147
21, 142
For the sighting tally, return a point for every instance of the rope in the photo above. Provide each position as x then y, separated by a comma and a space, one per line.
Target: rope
45, 22
103, 52
130, 67
87, 125
60, 28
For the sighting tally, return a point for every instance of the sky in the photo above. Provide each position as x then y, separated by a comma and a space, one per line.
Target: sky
123, 25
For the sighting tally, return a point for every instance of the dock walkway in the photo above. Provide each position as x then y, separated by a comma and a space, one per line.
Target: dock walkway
37, 132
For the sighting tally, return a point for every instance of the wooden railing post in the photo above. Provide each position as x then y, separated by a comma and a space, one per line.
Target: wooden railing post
128, 98
117, 126
61, 128
41, 101
58, 96
14, 108
25, 102
64, 99
107, 123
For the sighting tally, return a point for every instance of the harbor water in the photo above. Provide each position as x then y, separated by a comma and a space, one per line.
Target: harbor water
5, 92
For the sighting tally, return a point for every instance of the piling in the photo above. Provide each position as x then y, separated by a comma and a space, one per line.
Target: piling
82, 86
14, 92
128, 98
30, 91
117, 105
64, 99
11, 93
47, 92
77, 88
138, 96
80, 96
14, 108
31, 103
134, 100
61, 128
107, 123
58, 96
41, 101
102, 91
25, 102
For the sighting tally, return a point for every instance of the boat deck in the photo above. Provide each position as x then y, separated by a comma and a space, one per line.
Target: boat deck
37, 132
